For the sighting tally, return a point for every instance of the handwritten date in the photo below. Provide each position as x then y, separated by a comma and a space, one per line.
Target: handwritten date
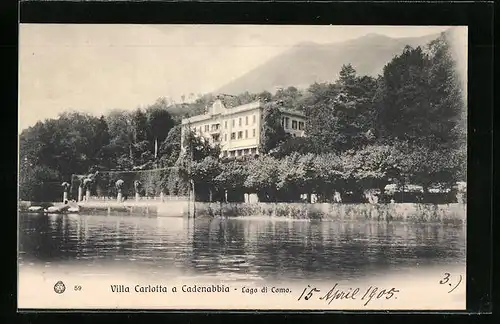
337, 293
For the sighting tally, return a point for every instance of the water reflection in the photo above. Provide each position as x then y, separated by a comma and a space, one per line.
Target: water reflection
238, 248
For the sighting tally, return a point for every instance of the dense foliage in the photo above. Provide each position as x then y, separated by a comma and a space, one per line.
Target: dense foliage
405, 127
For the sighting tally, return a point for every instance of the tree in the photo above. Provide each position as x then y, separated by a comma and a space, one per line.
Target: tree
354, 109
265, 96
319, 111
272, 133
300, 145
375, 166
446, 96
39, 183
263, 176
328, 175
297, 176
347, 77
140, 125
194, 162
69, 144
339, 116
121, 131
101, 144
198, 147
203, 174
350, 186
142, 154
425, 166
232, 177
405, 110
170, 148
246, 98
289, 98
159, 124
290, 177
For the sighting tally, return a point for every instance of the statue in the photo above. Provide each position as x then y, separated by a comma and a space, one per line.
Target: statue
137, 187
119, 188
65, 186
85, 183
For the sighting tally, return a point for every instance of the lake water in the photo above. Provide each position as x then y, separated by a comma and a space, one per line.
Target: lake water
250, 249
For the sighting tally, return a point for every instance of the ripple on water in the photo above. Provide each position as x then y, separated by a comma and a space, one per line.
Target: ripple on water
241, 249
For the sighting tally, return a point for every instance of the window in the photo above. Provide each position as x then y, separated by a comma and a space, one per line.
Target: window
253, 132
207, 128
287, 122
233, 122
294, 124
225, 124
239, 121
233, 135
231, 153
225, 137
240, 134
224, 153
301, 125
246, 133
254, 119
200, 129
246, 120
282, 121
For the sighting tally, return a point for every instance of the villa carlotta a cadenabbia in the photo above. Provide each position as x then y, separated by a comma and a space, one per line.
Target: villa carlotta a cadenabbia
237, 129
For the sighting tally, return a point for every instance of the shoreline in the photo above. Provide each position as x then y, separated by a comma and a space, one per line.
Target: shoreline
413, 212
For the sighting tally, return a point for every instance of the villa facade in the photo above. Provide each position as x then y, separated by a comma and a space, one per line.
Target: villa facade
237, 129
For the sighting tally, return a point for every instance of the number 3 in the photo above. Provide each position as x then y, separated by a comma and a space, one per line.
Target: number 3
445, 279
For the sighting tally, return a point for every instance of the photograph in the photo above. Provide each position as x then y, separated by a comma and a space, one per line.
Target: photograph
240, 167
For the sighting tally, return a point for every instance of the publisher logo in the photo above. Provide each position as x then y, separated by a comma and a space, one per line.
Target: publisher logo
59, 287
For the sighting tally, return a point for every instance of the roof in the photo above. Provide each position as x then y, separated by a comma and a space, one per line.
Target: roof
227, 111
196, 118
238, 109
292, 112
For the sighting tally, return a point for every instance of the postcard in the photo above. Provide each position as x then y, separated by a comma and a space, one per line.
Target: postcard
242, 167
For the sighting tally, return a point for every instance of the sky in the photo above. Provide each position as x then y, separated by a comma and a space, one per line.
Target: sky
97, 68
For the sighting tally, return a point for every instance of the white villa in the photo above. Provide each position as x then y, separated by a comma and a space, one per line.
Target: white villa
237, 129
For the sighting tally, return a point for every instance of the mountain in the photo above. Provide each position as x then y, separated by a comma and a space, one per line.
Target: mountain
309, 62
